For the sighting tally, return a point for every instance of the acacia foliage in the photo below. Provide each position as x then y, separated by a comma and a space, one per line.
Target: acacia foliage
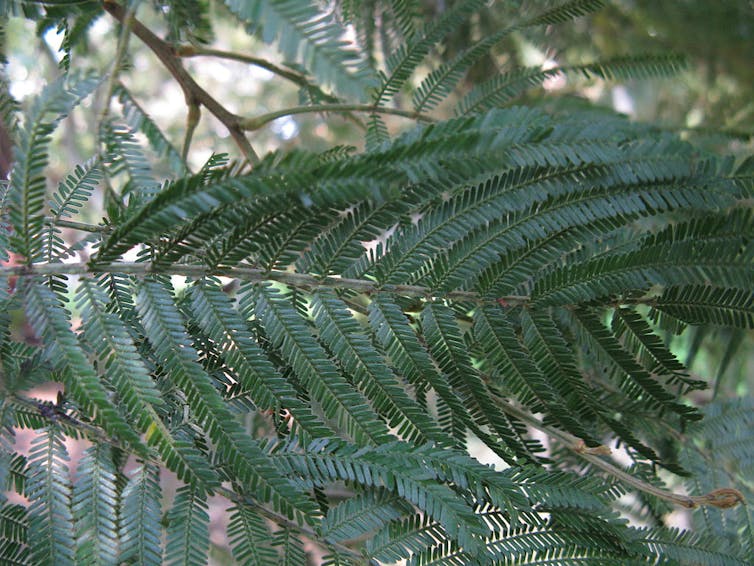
526, 268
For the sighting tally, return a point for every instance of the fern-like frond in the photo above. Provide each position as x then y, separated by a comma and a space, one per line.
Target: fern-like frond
685, 547
125, 155
250, 537
402, 63
27, 182
188, 528
360, 515
372, 468
140, 524
703, 304
242, 455
95, 498
14, 534
256, 375
339, 400
412, 359
514, 372
451, 355
139, 121
303, 32
50, 321
501, 89
290, 546
368, 370
440, 82
631, 374
681, 259
51, 520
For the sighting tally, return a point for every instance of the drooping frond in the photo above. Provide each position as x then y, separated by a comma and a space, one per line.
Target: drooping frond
501, 89
447, 347
402, 63
437, 86
343, 336
250, 537
139, 121
323, 380
446, 342
27, 188
303, 32
362, 514
239, 453
95, 496
702, 304
141, 516
50, 321
51, 525
188, 528
256, 375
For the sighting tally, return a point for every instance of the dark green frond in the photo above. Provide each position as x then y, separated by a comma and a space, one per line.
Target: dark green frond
403, 62
141, 515
702, 304
440, 82
188, 528
307, 34
256, 375
326, 385
368, 371
503, 88
27, 188
50, 321
373, 468
14, 534
238, 452
95, 497
360, 515
139, 121
451, 355
250, 537
636, 380
411, 358
51, 520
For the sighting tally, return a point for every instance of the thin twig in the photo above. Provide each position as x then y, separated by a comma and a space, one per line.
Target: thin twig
301, 280
256, 122
722, 498
195, 94
51, 221
295, 77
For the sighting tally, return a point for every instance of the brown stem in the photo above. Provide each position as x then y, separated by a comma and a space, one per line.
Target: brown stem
195, 94
723, 498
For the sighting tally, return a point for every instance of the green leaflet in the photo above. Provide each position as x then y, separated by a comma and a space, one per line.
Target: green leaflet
368, 370
255, 373
27, 187
50, 321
